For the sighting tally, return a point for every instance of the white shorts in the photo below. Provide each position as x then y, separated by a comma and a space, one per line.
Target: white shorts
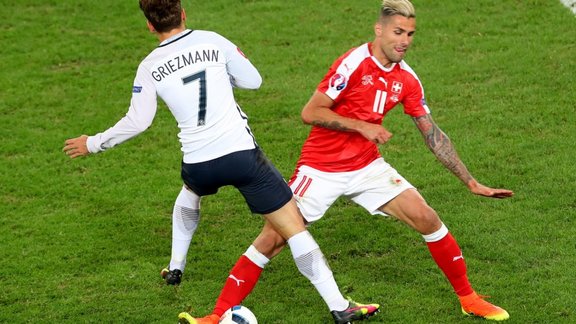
370, 187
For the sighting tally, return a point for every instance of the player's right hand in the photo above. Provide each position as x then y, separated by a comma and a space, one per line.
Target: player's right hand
75, 147
375, 133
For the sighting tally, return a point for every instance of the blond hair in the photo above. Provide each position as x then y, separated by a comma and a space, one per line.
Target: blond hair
391, 8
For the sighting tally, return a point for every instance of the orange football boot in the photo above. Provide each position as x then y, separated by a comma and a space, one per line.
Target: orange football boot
475, 305
186, 318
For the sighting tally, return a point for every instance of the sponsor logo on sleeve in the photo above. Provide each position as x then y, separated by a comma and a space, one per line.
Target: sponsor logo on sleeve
136, 89
338, 82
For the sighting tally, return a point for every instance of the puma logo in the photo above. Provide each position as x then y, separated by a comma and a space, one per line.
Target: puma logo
238, 281
456, 258
383, 81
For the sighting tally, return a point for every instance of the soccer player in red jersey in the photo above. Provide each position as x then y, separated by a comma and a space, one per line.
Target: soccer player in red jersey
340, 157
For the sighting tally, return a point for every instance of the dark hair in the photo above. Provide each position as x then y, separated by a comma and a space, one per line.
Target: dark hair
164, 15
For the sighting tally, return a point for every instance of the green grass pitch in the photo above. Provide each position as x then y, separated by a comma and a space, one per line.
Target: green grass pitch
84, 240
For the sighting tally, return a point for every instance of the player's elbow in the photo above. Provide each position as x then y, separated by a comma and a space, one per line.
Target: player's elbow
306, 116
252, 83
141, 128
255, 83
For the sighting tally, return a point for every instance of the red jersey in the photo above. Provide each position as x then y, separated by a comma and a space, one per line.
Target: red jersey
361, 89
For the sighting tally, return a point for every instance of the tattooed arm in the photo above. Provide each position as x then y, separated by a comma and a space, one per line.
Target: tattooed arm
439, 143
318, 112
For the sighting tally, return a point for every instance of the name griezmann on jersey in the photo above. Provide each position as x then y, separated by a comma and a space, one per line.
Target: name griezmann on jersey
184, 60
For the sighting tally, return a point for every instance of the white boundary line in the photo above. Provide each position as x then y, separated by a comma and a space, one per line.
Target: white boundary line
570, 4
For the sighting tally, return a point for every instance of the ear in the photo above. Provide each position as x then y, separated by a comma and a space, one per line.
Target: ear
378, 29
183, 15
150, 27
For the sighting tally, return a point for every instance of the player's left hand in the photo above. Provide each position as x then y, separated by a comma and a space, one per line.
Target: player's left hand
75, 147
482, 190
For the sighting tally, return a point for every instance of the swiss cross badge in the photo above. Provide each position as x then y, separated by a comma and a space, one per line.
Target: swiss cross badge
396, 87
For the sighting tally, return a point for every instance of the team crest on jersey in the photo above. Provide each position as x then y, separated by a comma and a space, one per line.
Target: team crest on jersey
338, 82
396, 87
367, 79
136, 89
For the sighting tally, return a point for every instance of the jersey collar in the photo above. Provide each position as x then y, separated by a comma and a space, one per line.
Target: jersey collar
176, 37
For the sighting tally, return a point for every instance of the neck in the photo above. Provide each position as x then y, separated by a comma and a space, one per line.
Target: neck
377, 53
164, 36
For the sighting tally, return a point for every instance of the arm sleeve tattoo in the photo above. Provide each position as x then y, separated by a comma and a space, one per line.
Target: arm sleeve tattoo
333, 125
439, 143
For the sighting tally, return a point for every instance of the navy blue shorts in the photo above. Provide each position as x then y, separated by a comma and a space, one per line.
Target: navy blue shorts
262, 186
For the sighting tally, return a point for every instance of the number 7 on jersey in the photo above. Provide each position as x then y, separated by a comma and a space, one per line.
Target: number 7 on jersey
201, 77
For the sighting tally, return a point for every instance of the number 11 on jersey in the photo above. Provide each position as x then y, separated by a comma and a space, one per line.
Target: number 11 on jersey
379, 101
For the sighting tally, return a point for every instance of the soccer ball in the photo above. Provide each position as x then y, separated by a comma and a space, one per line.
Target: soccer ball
238, 315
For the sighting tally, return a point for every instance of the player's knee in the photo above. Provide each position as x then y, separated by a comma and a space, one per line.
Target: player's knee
426, 221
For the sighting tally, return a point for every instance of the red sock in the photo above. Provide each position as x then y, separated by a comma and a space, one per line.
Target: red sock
448, 256
242, 279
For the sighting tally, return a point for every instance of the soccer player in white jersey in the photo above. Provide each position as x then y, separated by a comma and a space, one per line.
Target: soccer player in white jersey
340, 157
194, 73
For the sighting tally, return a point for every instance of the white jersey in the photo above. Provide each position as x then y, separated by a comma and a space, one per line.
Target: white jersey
194, 73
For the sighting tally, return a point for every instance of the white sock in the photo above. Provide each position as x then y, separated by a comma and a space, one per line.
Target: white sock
312, 264
185, 218
256, 257
436, 236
